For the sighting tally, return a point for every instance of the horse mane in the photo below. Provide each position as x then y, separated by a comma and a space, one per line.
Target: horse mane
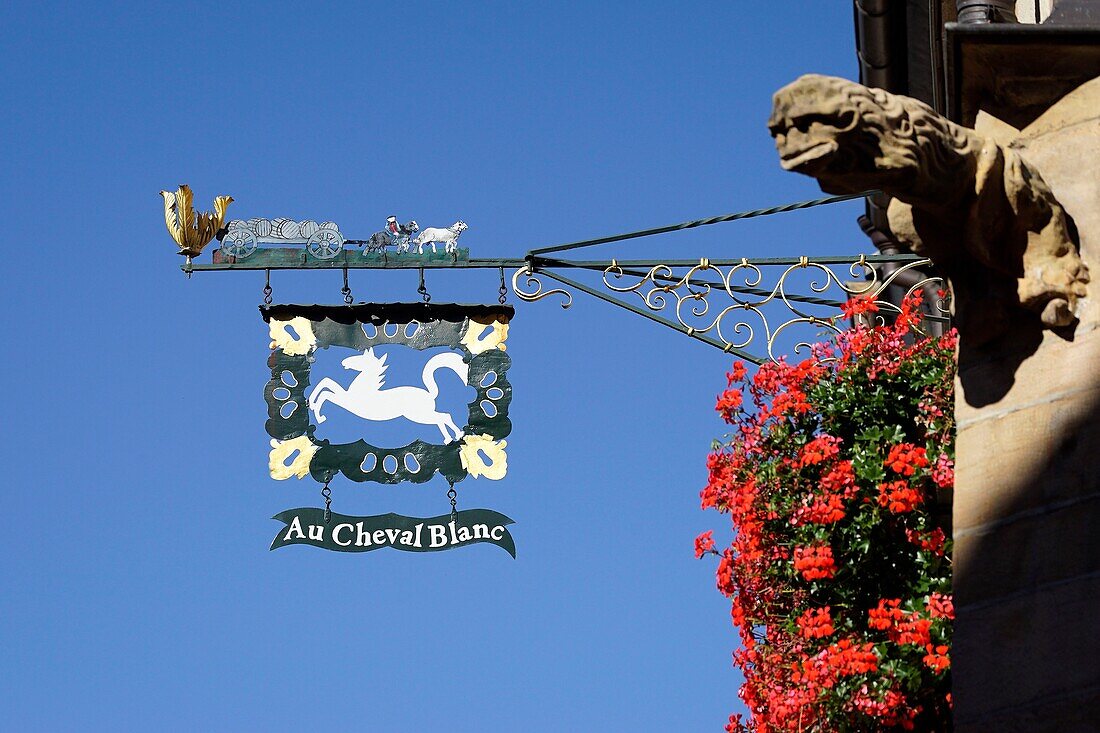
374, 374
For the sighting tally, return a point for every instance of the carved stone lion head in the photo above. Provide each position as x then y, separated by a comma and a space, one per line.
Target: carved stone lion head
852, 138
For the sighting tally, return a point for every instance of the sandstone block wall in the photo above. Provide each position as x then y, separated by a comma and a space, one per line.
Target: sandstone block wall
1027, 498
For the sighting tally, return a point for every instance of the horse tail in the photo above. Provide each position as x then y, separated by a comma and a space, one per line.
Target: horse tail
448, 360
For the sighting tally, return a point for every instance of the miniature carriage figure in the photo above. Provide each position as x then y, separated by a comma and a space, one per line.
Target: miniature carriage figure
324, 241
394, 234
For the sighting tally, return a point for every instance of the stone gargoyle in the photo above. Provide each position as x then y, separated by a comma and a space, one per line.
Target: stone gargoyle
979, 210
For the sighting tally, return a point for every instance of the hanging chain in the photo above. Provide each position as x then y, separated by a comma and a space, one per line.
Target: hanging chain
327, 493
267, 287
503, 288
346, 290
453, 496
423, 290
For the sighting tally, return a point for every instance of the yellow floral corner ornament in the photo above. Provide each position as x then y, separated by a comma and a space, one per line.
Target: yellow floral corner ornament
470, 453
282, 450
282, 339
474, 341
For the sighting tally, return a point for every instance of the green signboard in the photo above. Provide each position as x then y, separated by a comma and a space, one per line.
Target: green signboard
476, 335
468, 341
344, 533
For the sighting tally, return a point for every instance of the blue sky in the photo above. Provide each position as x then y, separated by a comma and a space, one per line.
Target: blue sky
139, 590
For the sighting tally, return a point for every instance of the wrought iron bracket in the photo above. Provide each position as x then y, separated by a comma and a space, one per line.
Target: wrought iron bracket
727, 303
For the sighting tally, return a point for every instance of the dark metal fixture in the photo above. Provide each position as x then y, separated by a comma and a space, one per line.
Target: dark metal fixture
986, 11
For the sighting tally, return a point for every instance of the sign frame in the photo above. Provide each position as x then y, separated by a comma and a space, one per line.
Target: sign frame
478, 332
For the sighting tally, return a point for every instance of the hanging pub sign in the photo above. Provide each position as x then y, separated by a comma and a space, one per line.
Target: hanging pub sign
460, 348
338, 402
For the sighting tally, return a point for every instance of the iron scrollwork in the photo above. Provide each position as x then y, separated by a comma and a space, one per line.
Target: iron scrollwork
688, 297
534, 288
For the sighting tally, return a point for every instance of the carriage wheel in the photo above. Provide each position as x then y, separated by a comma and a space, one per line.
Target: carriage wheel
239, 243
324, 244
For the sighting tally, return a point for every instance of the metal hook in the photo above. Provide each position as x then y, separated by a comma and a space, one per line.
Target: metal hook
327, 493
503, 288
453, 496
346, 290
422, 289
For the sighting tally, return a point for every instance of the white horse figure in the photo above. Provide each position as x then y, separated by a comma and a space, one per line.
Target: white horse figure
366, 398
448, 236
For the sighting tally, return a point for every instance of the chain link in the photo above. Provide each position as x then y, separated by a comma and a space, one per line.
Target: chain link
453, 496
503, 288
346, 290
423, 290
267, 287
327, 493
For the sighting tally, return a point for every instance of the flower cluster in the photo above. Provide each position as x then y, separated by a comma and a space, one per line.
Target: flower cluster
816, 623
907, 459
704, 543
899, 496
819, 450
934, 541
814, 562
839, 570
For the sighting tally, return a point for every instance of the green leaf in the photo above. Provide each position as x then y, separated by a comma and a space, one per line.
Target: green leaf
868, 467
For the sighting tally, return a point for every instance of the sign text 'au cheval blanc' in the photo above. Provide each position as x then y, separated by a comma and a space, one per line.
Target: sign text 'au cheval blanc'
467, 344
412, 534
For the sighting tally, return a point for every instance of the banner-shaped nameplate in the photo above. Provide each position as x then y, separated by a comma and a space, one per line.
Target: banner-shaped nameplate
342, 533
473, 339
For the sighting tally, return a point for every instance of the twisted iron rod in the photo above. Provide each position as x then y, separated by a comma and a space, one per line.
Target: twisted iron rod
702, 222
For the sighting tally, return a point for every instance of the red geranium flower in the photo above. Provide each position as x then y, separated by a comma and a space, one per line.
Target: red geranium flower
933, 541
819, 449
814, 562
815, 623
937, 658
728, 403
941, 606
899, 497
857, 306
906, 458
704, 543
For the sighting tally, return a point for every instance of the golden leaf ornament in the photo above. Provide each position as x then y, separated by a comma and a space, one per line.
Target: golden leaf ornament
192, 231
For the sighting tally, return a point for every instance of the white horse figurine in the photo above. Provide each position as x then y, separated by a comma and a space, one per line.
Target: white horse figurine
366, 398
448, 236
